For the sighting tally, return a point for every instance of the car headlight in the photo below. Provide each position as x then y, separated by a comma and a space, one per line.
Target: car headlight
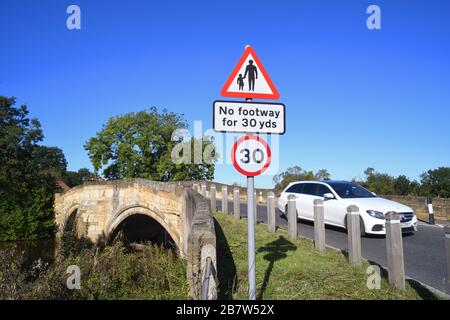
375, 214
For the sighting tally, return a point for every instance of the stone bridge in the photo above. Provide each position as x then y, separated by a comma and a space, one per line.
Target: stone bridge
97, 210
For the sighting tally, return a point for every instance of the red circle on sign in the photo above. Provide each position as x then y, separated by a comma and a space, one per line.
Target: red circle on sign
241, 170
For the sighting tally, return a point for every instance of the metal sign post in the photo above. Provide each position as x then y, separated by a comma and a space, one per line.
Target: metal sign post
251, 240
250, 155
251, 236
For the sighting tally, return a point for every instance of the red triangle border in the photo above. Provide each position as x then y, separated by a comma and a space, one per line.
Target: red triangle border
225, 93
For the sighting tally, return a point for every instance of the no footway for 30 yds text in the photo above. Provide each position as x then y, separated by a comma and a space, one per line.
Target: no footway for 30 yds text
230, 116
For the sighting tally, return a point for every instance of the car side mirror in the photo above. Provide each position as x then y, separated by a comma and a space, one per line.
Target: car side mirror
374, 194
328, 196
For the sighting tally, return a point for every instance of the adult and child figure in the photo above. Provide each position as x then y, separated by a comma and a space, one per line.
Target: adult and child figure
252, 73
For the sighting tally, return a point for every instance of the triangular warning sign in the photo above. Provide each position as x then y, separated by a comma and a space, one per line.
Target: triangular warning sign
249, 79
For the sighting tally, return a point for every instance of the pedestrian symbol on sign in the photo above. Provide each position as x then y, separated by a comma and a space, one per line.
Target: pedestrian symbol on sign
252, 75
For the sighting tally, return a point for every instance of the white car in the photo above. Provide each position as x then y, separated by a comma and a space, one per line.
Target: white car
337, 196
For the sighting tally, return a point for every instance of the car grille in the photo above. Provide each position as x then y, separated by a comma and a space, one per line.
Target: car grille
406, 216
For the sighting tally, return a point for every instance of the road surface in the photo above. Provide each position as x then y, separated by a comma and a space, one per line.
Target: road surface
424, 251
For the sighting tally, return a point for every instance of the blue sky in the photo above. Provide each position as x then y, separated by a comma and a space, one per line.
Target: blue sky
354, 97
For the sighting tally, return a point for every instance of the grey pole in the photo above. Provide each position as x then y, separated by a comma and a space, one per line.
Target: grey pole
354, 235
447, 249
212, 192
255, 207
394, 251
203, 190
251, 221
251, 240
292, 217
319, 225
430, 210
224, 199
271, 224
236, 203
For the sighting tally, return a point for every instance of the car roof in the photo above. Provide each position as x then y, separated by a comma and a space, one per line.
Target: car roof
317, 181
321, 181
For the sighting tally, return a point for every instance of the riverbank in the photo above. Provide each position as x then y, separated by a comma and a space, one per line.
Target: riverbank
111, 273
288, 269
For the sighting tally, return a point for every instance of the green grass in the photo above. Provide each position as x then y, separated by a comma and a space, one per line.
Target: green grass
288, 269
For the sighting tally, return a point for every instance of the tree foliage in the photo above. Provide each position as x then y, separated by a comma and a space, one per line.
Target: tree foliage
380, 183
403, 186
140, 144
170, 170
50, 160
296, 173
436, 182
26, 182
75, 178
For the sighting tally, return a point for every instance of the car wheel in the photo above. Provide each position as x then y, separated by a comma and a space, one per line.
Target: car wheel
362, 228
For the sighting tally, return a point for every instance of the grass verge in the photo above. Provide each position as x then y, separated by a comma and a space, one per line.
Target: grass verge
111, 273
288, 269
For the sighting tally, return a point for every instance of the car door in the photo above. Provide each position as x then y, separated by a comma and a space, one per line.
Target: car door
334, 210
305, 201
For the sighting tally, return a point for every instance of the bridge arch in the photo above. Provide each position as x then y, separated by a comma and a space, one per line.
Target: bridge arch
70, 215
127, 212
100, 207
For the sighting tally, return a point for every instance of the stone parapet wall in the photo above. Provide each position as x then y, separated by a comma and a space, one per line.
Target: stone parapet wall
201, 242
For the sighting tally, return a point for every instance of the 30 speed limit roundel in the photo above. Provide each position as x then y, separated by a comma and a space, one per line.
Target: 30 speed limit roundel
251, 155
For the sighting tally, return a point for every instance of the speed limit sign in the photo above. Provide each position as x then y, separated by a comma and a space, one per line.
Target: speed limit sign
251, 155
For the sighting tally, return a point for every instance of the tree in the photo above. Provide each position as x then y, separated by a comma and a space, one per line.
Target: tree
169, 169
296, 173
26, 185
436, 182
50, 160
381, 183
402, 186
75, 178
369, 172
415, 188
140, 145
323, 174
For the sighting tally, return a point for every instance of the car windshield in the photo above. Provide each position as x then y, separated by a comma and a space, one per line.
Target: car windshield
350, 190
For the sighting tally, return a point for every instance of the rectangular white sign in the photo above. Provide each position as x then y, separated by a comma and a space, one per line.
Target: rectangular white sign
249, 117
